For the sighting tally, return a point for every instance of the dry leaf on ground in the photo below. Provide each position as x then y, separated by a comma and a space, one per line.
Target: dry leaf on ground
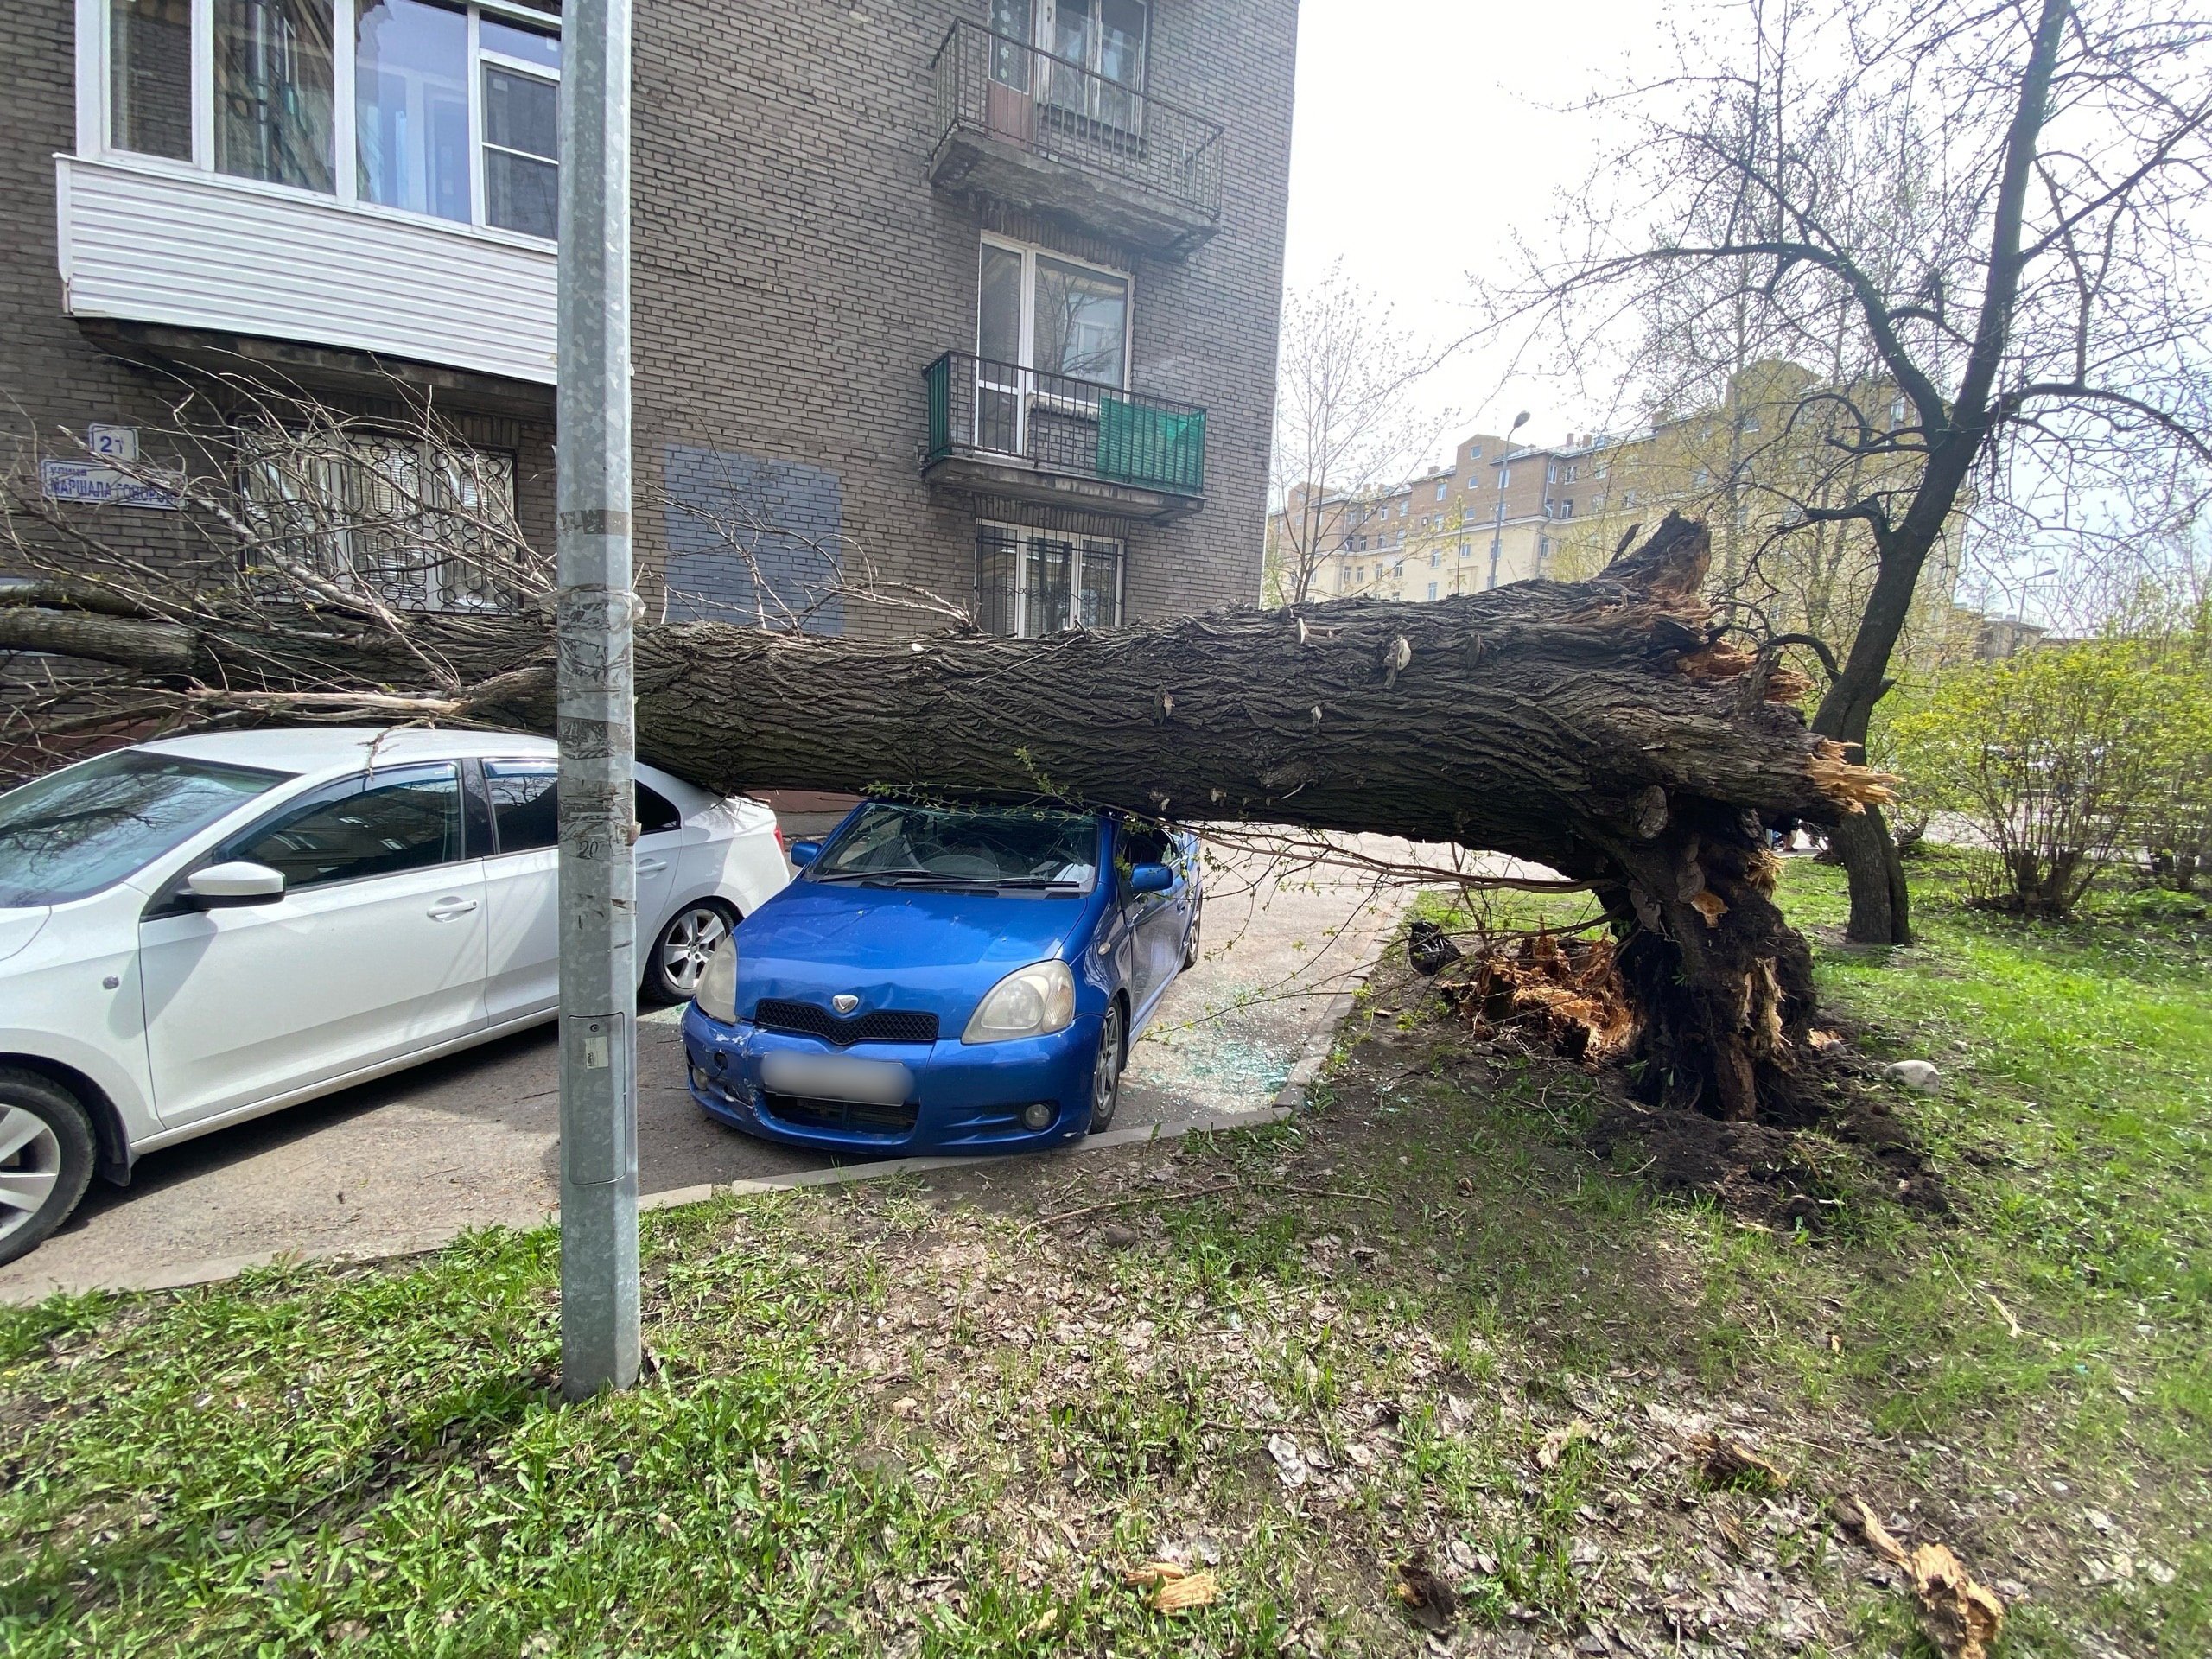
1962, 1618
1555, 1444
1173, 1586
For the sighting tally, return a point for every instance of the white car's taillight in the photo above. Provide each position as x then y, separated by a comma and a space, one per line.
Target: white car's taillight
717, 993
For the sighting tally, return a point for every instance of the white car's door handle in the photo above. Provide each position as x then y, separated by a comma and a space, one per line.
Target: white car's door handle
446, 909
652, 866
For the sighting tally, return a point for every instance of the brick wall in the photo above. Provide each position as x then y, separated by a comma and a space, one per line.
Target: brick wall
796, 270
793, 271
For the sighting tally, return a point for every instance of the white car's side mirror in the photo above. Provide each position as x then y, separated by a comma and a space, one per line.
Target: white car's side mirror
236, 883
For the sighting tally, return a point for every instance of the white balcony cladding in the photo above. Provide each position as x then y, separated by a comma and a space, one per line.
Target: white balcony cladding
148, 244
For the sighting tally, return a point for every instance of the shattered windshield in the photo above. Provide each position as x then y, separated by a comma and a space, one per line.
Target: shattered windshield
1009, 848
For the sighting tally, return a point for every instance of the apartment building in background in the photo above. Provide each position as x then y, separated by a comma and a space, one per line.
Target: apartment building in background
1481, 522
981, 291
1501, 512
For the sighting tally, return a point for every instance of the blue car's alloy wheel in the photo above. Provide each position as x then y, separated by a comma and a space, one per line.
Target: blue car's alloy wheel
1106, 1074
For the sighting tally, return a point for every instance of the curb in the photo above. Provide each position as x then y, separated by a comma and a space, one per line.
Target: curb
1288, 1099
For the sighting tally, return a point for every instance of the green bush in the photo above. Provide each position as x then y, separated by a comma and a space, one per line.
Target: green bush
2060, 755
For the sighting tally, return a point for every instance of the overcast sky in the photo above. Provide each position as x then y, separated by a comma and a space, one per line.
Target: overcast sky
1429, 131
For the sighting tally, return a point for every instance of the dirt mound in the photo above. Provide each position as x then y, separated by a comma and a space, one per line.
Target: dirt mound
1782, 1175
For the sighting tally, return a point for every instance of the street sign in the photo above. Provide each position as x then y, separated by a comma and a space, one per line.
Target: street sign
111, 443
90, 484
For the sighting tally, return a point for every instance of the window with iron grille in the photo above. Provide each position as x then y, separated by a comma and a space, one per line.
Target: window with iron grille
1033, 582
420, 526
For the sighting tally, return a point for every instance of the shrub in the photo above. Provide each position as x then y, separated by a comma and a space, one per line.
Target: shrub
2056, 753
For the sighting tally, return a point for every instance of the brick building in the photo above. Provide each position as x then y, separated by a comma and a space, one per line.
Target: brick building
984, 291
1475, 524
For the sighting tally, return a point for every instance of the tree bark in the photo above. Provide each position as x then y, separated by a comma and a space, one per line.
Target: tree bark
1595, 728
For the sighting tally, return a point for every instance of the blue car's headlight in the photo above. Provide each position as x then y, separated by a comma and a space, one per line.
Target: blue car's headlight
1032, 1001
716, 994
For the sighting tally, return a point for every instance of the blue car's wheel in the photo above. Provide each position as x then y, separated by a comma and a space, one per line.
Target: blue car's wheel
1191, 947
1106, 1073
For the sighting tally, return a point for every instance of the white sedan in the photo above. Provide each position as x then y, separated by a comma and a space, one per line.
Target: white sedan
198, 931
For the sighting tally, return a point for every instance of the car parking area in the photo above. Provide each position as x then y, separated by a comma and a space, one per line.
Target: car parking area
472, 1140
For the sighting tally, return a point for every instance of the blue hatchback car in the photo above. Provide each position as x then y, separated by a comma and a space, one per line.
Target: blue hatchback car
945, 979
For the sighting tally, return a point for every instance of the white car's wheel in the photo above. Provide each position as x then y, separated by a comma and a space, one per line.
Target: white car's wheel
681, 953
46, 1160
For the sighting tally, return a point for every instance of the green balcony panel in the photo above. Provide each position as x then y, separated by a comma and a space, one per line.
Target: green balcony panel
1159, 449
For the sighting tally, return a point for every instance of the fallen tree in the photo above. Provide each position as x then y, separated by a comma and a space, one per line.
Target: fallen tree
1604, 729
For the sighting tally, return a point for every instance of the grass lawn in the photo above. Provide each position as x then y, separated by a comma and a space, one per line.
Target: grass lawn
1422, 1321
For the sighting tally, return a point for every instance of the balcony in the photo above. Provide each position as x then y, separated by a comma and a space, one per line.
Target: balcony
1045, 134
1001, 430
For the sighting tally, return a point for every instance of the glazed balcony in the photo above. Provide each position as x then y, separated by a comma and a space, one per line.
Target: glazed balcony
1044, 133
1001, 430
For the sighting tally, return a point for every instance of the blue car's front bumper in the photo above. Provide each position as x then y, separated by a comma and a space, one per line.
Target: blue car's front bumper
967, 1097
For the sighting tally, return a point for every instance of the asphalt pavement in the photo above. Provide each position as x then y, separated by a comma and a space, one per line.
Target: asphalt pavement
472, 1140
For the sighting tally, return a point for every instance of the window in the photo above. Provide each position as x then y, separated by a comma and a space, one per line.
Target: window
525, 806
1474, 453
1543, 552
1405, 506
965, 844
150, 77
422, 527
75, 832
1038, 311
522, 126
1033, 582
455, 108
1361, 577
1442, 483
1567, 508
1896, 410
408, 818
1432, 590
1551, 472
1433, 556
274, 91
1104, 37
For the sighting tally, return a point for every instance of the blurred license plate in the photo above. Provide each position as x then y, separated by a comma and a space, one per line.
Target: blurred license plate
829, 1076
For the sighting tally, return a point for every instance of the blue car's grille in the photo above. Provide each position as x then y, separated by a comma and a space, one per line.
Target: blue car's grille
884, 1026
845, 1116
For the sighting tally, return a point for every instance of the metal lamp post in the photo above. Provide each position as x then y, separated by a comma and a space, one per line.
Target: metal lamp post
598, 808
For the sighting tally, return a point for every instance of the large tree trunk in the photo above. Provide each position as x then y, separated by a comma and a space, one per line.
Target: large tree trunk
1593, 728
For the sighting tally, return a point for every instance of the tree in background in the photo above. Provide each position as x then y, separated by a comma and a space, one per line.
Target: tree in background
1995, 207
2054, 753
1347, 423
2173, 629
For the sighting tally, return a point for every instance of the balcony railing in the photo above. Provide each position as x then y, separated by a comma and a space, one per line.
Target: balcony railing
1055, 424
994, 87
